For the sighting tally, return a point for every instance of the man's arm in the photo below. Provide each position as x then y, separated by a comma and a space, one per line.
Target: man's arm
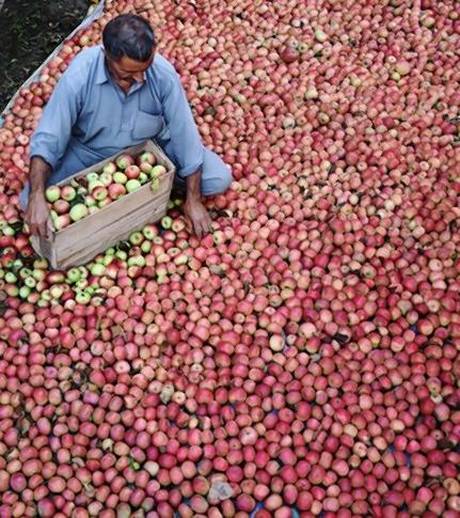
47, 146
188, 151
37, 210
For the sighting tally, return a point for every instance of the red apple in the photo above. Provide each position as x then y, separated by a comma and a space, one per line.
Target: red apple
100, 193
68, 193
116, 190
61, 206
124, 161
132, 172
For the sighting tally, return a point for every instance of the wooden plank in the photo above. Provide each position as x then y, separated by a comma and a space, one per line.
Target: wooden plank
111, 229
100, 241
81, 241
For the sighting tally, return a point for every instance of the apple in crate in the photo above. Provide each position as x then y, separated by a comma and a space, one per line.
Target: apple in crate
100, 193
120, 177
116, 190
157, 170
148, 157
90, 201
78, 212
61, 206
94, 185
124, 161
109, 168
68, 193
132, 172
145, 167
92, 177
53, 193
106, 178
104, 202
132, 185
61, 221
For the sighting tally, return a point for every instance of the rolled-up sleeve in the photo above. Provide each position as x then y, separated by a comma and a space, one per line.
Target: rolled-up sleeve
186, 142
52, 135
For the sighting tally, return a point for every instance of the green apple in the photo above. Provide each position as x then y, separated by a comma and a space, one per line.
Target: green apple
146, 247
97, 269
143, 177
92, 177
24, 292
106, 179
25, 272
94, 184
68, 193
56, 291
73, 275
136, 260
89, 200
166, 222
119, 177
78, 212
30, 282
10, 278
136, 238
62, 221
121, 254
133, 185
53, 193
150, 231
84, 271
83, 297
157, 170
81, 284
100, 193
103, 203
148, 157
109, 168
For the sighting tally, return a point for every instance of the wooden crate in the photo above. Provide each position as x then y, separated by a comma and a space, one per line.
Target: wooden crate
83, 240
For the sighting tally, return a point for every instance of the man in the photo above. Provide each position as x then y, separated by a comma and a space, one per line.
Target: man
112, 97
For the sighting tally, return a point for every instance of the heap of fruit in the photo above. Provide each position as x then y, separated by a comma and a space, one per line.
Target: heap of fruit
85, 195
302, 360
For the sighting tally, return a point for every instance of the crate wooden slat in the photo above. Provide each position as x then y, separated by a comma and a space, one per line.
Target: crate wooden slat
81, 241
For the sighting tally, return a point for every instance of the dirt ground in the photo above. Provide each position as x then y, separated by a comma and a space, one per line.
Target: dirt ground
30, 30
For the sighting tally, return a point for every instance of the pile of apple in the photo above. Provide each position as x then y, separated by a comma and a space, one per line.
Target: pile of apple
85, 195
303, 359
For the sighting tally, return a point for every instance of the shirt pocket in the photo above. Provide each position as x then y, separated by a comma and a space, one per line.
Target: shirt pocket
147, 125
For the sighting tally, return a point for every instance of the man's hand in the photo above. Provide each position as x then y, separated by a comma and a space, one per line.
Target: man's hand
37, 215
198, 217
195, 212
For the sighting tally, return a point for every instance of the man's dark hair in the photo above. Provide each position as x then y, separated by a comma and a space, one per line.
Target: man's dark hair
129, 35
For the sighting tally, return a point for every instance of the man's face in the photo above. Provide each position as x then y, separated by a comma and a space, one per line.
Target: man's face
125, 71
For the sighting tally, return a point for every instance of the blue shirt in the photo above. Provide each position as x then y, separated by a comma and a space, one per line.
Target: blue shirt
88, 117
